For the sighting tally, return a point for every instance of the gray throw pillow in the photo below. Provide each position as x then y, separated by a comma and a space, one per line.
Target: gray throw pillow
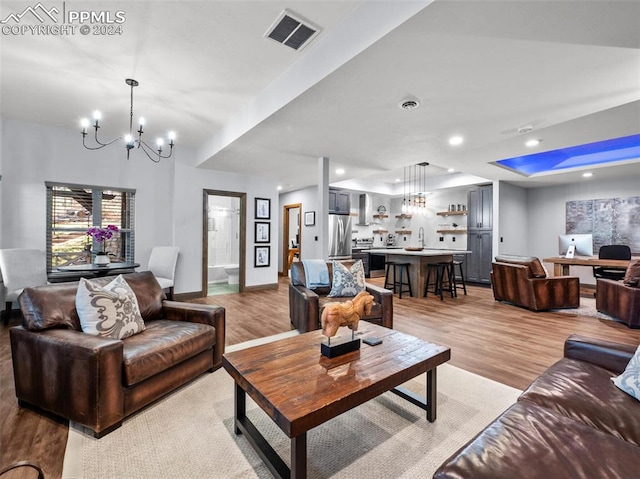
347, 282
111, 311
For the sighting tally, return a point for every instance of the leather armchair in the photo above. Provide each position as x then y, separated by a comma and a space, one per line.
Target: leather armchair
618, 300
523, 281
306, 305
97, 381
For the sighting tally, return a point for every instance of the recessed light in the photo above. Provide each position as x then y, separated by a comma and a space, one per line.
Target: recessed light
340, 171
397, 180
532, 143
279, 188
456, 140
410, 103
588, 174
451, 170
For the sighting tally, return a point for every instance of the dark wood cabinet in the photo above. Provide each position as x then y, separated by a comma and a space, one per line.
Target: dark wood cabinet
364, 256
480, 234
480, 208
339, 202
480, 243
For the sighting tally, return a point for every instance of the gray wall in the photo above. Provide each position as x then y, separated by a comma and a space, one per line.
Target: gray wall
546, 212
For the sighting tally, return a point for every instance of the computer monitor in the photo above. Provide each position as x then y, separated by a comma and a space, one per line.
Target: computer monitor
582, 242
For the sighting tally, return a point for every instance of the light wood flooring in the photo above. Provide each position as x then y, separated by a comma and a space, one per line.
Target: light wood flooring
498, 341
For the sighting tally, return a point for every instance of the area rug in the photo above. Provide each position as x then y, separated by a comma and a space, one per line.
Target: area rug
190, 434
587, 308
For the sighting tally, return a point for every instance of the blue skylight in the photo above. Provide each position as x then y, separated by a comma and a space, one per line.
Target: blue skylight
598, 153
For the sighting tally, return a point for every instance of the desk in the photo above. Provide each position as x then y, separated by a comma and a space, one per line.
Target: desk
418, 261
74, 272
561, 265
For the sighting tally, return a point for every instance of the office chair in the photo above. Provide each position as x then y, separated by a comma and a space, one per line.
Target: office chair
614, 251
162, 263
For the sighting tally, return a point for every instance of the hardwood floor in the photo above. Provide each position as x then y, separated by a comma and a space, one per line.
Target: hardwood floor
505, 343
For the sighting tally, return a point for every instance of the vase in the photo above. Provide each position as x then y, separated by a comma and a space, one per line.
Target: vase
101, 259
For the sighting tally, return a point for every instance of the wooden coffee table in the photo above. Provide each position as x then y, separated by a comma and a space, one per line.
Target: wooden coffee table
300, 389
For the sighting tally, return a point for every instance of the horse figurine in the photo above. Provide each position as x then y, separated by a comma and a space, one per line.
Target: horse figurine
347, 313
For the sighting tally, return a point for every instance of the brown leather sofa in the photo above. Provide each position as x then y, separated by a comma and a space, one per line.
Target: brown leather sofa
523, 281
96, 381
571, 422
306, 305
619, 301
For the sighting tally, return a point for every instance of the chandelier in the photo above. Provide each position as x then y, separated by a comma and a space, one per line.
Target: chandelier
415, 180
131, 142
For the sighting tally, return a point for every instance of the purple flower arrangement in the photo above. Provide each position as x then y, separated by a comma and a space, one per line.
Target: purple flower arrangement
102, 234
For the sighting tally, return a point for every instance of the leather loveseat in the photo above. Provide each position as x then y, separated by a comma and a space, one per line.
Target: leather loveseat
97, 381
571, 422
523, 281
306, 305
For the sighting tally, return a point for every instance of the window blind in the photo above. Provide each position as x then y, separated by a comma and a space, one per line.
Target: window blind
73, 209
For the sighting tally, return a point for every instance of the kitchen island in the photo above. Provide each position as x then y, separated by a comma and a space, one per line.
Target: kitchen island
418, 261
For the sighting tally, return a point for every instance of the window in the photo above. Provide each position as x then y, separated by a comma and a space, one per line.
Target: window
73, 209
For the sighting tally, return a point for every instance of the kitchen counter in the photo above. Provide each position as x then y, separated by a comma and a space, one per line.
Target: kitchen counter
418, 261
424, 252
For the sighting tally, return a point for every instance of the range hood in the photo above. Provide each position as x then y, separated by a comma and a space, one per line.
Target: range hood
364, 210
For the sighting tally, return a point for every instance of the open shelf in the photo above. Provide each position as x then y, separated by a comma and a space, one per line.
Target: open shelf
403, 232
452, 232
380, 216
403, 217
451, 213
380, 232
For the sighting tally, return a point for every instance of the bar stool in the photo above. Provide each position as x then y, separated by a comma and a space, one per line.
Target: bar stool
457, 285
398, 284
439, 270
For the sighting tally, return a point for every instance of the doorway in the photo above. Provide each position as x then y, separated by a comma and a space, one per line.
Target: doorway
291, 235
223, 242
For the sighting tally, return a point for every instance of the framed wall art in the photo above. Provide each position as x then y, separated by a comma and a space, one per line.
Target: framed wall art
262, 256
310, 218
263, 232
263, 209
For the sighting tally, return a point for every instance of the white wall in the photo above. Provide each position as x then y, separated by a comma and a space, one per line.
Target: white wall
33, 154
168, 195
308, 197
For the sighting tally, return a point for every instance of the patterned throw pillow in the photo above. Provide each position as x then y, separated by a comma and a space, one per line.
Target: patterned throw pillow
347, 282
629, 380
111, 311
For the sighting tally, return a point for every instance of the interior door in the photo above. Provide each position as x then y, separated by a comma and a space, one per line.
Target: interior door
291, 235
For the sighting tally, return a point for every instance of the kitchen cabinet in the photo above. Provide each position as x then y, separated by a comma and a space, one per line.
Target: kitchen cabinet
480, 234
480, 208
480, 243
339, 202
357, 254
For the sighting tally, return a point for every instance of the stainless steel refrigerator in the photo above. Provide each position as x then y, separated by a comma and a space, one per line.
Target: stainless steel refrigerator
339, 236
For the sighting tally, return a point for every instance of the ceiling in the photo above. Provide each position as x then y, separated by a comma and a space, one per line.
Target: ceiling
243, 103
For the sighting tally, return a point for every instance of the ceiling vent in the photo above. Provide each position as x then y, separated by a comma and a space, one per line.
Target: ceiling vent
292, 30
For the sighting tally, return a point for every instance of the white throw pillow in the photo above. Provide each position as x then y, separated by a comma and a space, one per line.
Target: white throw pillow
111, 311
629, 380
347, 282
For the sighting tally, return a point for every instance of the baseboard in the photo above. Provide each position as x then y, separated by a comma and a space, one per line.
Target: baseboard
197, 294
187, 296
261, 287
